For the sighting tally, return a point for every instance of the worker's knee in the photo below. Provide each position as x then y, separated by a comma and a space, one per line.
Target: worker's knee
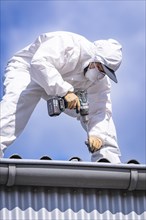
111, 153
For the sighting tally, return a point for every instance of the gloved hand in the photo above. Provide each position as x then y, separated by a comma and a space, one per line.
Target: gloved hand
94, 143
72, 101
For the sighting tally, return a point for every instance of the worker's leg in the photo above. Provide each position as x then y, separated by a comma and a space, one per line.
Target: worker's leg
110, 153
19, 101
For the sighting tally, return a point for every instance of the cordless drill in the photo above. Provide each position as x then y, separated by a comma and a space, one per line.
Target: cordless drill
57, 105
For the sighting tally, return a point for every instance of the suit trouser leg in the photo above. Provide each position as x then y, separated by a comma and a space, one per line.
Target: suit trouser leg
108, 152
21, 96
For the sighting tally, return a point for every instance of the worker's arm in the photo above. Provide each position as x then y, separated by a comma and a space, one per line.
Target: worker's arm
101, 123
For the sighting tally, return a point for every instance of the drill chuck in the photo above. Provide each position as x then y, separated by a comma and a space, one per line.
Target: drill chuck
85, 118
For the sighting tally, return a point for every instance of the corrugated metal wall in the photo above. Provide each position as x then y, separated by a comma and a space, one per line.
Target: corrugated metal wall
43, 203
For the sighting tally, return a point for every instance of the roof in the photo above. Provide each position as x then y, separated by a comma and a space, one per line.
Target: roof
48, 189
20, 172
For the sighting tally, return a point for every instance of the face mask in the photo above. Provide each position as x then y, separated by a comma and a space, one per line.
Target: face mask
94, 74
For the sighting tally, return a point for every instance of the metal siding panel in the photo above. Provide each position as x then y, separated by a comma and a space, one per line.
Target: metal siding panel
21, 203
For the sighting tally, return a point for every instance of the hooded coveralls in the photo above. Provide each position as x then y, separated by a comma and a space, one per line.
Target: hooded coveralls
52, 66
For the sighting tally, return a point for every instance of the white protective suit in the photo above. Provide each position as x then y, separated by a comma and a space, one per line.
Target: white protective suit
53, 65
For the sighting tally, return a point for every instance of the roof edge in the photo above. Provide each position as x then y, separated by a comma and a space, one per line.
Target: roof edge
72, 174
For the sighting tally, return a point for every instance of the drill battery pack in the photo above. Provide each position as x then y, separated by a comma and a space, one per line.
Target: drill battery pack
56, 106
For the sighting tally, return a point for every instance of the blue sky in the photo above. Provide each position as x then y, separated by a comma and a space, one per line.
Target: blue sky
63, 137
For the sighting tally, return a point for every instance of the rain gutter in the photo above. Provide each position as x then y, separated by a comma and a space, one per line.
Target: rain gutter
72, 174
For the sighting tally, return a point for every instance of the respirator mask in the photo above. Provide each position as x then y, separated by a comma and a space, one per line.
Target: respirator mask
94, 74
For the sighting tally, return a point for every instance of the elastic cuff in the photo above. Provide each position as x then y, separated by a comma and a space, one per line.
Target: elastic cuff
68, 88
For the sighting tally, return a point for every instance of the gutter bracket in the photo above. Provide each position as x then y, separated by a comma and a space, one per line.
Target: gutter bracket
11, 174
133, 180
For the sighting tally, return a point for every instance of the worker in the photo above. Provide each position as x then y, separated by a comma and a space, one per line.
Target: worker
59, 64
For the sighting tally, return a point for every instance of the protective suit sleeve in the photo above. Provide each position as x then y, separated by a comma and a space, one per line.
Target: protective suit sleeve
100, 114
46, 67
